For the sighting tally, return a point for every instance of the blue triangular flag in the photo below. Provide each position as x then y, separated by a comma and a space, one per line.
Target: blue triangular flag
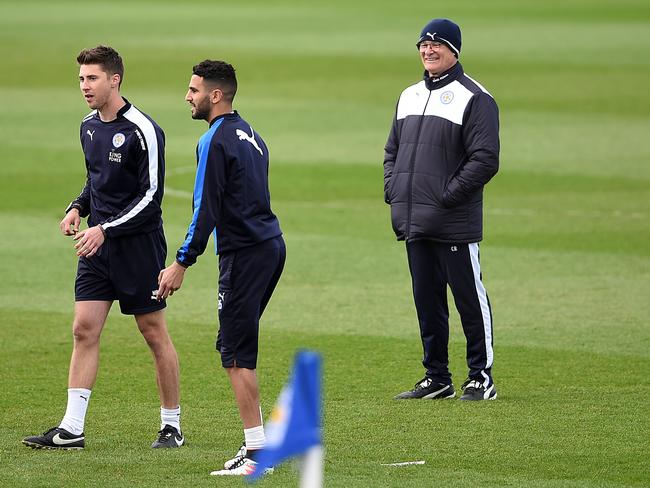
295, 423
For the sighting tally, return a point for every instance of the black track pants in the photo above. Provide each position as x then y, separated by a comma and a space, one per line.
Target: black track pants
433, 266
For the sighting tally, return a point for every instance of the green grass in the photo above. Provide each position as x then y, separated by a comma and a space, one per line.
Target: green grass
566, 256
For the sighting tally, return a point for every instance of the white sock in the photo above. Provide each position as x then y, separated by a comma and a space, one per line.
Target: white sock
170, 416
75, 413
255, 438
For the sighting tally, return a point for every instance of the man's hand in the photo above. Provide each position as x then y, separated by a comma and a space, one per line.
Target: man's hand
89, 241
170, 279
71, 219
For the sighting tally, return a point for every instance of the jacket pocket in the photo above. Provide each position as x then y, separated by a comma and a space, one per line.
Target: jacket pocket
397, 188
428, 190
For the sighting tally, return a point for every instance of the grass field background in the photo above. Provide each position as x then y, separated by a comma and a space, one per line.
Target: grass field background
566, 255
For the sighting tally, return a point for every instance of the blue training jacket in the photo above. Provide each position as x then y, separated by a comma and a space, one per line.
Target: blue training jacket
231, 190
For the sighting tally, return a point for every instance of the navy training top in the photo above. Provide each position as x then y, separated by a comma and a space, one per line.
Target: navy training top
231, 190
125, 171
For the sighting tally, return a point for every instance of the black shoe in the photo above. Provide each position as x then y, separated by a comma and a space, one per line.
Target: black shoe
168, 437
55, 438
475, 390
426, 388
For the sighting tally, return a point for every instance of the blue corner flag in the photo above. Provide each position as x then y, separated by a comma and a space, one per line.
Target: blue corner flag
295, 424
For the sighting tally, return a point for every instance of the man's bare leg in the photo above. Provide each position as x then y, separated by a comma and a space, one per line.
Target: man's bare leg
153, 327
247, 395
89, 320
154, 330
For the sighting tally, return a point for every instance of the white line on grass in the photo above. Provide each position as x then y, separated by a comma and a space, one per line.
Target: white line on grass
406, 463
181, 171
171, 192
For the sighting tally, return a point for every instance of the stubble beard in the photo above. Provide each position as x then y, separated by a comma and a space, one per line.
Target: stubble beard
201, 112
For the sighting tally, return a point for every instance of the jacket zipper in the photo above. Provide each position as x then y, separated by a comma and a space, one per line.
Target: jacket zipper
409, 208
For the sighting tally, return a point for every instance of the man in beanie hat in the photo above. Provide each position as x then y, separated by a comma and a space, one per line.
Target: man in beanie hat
442, 149
442, 31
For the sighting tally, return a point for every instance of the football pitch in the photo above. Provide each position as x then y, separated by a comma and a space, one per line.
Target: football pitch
565, 256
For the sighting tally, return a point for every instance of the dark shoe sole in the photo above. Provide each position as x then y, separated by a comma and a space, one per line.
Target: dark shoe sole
165, 446
441, 394
35, 445
469, 398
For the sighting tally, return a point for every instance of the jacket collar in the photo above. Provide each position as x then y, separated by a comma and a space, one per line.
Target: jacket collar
452, 74
231, 115
120, 113
124, 109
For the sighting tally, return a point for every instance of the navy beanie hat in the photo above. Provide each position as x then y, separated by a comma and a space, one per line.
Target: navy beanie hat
442, 30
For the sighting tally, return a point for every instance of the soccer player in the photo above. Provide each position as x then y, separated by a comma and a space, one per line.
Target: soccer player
123, 249
231, 198
442, 149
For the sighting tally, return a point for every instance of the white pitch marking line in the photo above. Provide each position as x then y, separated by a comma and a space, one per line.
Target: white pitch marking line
172, 192
407, 463
180, 171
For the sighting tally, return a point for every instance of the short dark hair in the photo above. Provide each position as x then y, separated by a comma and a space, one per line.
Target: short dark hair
107, 57
219, 73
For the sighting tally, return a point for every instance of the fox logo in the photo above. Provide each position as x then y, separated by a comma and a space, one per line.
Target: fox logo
90, 134
245, 137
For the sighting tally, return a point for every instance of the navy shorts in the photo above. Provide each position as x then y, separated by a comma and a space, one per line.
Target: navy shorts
247, 278
125, 269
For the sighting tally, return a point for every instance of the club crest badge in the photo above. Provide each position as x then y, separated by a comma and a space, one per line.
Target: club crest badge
447, 97
118, 140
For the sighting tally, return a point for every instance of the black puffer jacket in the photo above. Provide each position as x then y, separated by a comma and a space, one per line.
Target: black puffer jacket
442, 149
